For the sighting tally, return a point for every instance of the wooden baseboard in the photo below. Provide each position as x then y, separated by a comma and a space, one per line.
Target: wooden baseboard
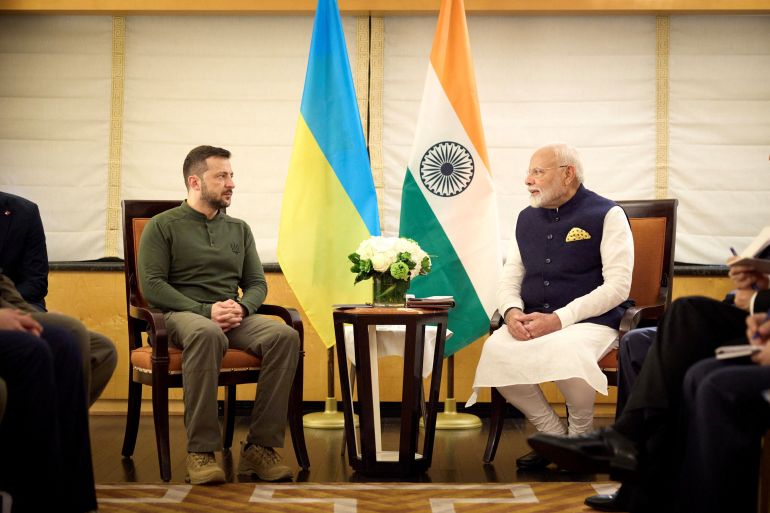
176, 407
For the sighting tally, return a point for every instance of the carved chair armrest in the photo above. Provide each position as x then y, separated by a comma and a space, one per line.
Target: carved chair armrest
635, 314
495, 322
156, 328
289, 315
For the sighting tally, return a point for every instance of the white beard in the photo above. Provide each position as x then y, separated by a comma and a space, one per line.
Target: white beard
545, 196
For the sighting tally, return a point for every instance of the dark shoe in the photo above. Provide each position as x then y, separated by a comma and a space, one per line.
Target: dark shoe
618, 501
601, 451
532, 461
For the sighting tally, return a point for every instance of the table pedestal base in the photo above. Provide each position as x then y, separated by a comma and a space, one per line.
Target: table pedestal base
372, 460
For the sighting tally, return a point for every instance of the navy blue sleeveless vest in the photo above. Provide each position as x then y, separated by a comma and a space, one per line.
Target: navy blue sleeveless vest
557, 271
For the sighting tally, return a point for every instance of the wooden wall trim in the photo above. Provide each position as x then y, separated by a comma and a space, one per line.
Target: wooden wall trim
384, 7
663, 47
116, 136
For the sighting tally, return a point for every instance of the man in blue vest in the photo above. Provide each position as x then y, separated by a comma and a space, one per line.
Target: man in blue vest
564, 289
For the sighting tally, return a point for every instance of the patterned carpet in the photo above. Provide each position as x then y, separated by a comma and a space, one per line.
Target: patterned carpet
350, 498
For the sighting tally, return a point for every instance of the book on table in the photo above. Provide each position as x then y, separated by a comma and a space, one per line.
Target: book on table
757, 253
431, 302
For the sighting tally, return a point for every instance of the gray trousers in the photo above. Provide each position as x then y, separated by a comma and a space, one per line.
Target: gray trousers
203, 345
99, 354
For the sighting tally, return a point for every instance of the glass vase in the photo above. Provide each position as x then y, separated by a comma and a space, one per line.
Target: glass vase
388, 291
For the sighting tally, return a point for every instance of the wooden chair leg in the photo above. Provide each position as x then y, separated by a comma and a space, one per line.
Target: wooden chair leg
497, 412
295, 419
160, 416
132, 418
229, 417
352, 378
764, 476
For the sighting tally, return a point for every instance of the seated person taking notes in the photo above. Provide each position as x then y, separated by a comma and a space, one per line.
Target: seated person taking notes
688, 413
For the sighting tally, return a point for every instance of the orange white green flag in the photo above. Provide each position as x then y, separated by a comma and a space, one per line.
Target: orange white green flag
448, 201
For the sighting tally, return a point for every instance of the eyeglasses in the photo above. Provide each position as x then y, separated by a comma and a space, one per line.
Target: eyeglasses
538, 172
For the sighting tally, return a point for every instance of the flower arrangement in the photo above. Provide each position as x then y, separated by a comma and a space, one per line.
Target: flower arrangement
391, 262
402, 258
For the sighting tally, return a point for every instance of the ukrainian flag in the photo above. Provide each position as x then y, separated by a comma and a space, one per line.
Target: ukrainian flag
329, 204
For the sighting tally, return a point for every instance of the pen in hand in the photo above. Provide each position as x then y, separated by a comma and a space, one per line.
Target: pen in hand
735, 253
755, 336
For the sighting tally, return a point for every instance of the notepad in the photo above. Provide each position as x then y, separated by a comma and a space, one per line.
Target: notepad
751, 255
737, 351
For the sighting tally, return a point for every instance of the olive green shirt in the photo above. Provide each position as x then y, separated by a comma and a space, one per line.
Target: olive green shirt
10, 297
187, 262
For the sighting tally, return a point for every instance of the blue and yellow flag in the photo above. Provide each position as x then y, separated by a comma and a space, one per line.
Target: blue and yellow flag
329, 204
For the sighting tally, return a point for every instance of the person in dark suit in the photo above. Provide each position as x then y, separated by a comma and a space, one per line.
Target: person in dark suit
23, 254
98, 354
632, 351
726, 414
44, 431
24, 263
645, 445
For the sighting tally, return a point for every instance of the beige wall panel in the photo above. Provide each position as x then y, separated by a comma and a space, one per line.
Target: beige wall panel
98, 299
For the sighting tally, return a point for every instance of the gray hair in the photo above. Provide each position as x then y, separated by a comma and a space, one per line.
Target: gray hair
566, 155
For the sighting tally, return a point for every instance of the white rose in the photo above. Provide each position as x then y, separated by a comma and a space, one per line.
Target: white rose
418, 256
404, 245
381, 262
366, 253
381, 244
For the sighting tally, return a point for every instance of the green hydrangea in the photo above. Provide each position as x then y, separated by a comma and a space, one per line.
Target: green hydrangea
400, 271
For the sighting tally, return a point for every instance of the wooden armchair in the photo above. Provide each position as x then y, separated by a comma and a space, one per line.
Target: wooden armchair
653, 224
159, 365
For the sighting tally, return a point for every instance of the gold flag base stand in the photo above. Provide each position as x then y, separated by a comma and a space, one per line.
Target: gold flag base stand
330, 418
450, 419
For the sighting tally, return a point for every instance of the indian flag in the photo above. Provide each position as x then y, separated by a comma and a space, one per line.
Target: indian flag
329, 204
448, 201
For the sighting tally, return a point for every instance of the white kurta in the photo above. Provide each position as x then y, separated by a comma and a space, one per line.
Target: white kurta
573, 351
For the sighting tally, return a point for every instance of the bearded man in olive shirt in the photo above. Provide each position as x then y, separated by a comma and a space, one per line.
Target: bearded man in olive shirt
192, 261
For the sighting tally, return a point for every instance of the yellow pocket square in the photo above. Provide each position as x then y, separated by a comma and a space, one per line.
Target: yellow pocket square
577, 234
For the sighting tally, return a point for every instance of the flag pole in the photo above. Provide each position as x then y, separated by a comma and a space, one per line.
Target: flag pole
449, 418
330, 418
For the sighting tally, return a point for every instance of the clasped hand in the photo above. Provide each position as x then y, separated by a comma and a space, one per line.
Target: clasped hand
523, 326
14, 320
227, 314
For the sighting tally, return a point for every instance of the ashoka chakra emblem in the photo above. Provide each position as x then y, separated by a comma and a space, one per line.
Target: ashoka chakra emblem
447, 168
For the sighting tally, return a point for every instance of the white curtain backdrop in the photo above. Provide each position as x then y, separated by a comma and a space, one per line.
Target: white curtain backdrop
587, 81
234, 82
720, 133
237, 82
54, 125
